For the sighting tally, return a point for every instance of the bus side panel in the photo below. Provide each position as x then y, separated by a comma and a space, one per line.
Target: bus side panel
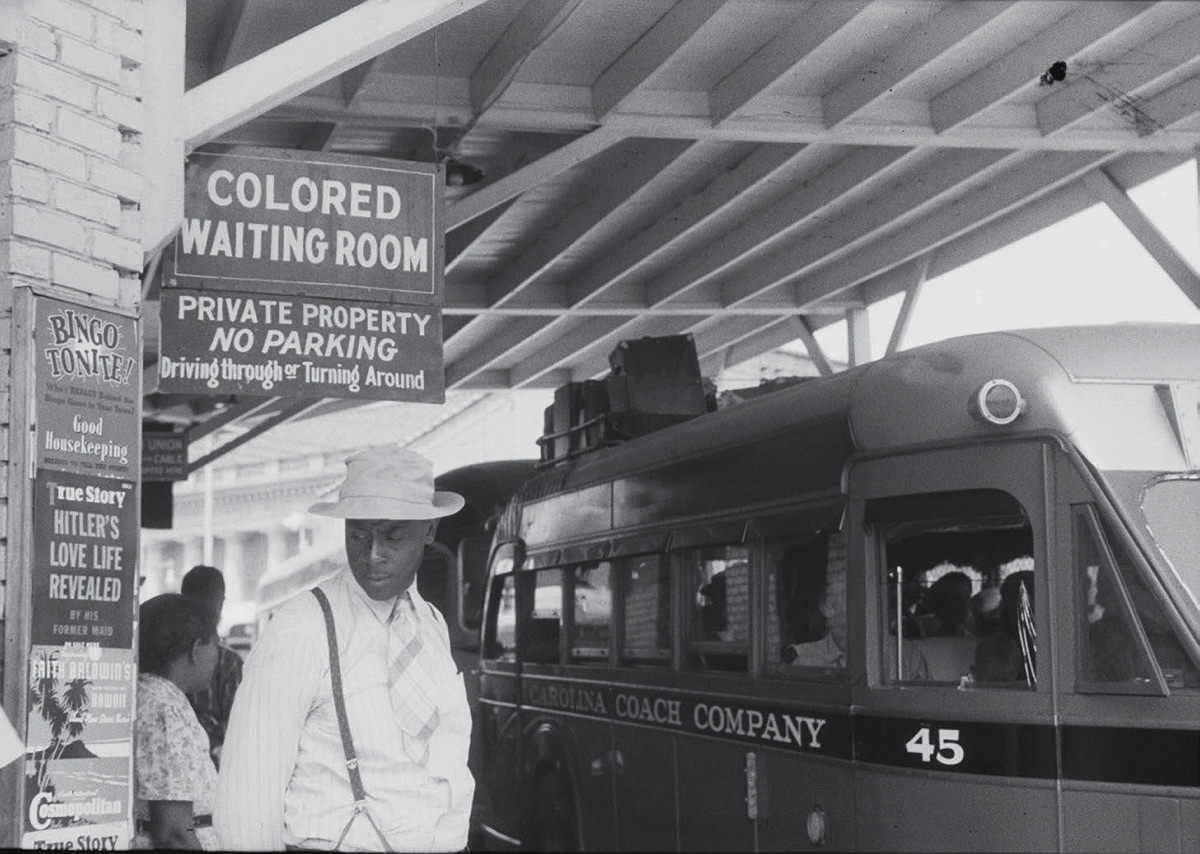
790, 789
644, 781
945, 766
906, 811
1103, 820
497, 794
712, 796
581, 749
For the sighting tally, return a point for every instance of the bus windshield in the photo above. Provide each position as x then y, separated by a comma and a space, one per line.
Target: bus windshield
1172, 509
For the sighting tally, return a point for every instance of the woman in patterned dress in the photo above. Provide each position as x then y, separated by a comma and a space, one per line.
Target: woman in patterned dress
174, 774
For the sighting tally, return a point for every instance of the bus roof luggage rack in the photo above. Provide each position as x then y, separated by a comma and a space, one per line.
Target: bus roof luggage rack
654, 383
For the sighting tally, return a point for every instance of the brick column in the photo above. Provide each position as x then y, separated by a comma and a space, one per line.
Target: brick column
70, 126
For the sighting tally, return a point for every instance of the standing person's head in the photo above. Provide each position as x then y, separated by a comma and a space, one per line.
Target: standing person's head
177, 639
391, 511
207, 584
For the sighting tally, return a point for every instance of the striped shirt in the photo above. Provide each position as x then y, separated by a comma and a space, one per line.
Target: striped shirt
283, 778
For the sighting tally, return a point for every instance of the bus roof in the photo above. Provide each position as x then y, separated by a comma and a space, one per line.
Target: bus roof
1073, 380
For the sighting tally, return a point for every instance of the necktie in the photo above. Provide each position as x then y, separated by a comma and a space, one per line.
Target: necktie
411, 679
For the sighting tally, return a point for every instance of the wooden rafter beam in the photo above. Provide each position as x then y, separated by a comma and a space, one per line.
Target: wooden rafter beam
846, 175
1054, 206
1021, 67
953, 30
302, 62
701, 213
534, 23
650, 52
459, 370
354, 80
1114, 85
232, 18
853, 173
514, 184
640, 166
905, 200
784, 53
794, 119
970, 211
591, 335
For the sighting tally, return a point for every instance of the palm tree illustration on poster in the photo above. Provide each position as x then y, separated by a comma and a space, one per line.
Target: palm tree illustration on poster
78, 751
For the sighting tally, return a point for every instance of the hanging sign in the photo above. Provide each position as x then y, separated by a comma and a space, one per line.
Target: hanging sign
323, 225
224, 343
85, 545
87, 395
164, 456
78, 755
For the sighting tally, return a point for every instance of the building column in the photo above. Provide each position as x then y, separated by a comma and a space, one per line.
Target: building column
234, 566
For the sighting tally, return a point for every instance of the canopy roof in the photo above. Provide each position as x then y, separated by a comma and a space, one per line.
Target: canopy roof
746, 171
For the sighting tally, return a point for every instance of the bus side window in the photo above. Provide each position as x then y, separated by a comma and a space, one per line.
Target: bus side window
645, 585
540, 634
591, 600
501, 635
1113, 656
806, 602
718, 578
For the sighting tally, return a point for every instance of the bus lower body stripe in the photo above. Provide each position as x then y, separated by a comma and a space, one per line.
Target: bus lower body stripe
1104, 754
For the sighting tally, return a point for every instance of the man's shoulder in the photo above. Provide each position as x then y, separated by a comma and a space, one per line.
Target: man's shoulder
300, 615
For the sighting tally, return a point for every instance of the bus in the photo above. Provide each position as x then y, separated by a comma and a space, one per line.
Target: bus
948, 600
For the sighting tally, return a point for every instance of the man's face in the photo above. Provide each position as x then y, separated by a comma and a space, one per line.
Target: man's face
385, 554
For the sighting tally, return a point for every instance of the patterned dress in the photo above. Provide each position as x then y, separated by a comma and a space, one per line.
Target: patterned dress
171, 761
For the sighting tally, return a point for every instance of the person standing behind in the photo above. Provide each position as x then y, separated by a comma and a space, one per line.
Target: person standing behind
173, 776
214, 702
351, 728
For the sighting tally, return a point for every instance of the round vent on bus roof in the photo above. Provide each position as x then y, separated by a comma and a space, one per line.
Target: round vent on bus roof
998, 402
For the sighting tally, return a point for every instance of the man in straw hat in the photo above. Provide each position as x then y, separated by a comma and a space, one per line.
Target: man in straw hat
351, 727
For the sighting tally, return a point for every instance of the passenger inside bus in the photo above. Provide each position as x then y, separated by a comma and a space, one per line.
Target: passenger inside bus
719, 625
950, 648
1010, 655
812, 620
947, 555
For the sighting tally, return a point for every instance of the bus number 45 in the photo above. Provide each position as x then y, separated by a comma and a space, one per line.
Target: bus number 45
948, 750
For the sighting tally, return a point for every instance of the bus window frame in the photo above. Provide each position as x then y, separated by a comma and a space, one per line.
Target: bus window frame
888, 518
490, 621
778, 669
1084, 518
1019, 465
575, 656
656, 661
527, 578
688, 646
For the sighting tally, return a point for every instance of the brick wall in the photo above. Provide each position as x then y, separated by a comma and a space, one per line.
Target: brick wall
70, 125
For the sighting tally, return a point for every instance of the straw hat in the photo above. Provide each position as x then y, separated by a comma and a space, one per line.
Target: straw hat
388, 482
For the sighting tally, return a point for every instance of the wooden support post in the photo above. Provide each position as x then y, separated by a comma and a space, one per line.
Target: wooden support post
1106, 190
804, 333
858, 335
911, 293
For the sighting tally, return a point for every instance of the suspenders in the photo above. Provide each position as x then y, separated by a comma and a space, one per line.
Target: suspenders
339, 704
